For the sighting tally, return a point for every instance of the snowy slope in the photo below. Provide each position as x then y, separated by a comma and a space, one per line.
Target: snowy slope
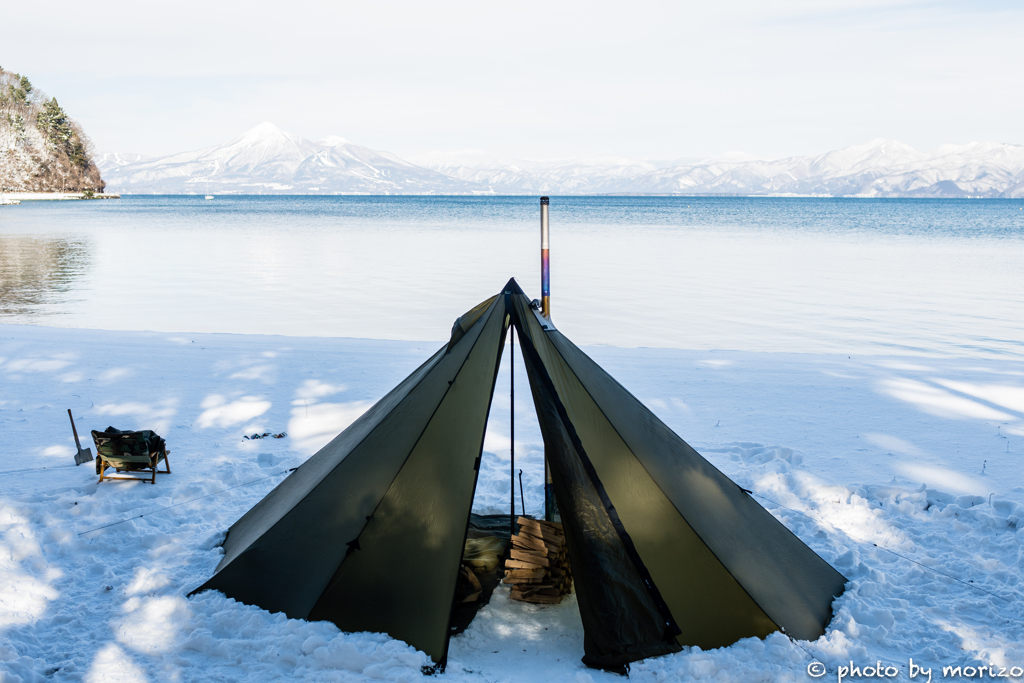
904, 473
341, 165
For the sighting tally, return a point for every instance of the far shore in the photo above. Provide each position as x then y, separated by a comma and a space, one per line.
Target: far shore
16, 197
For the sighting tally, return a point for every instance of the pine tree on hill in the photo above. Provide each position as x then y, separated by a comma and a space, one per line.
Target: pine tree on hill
21, 93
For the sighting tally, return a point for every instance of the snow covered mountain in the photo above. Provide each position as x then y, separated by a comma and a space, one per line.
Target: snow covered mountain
880, 168
269, 160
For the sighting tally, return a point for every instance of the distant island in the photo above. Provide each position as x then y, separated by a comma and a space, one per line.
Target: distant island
268, 160
41, 148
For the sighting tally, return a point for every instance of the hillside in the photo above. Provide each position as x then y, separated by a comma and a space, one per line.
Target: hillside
41, 148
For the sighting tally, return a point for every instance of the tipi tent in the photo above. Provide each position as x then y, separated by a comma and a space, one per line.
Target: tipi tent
666, 550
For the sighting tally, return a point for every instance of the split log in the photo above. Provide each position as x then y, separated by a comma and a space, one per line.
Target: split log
530, 557
537, 573
551, 527
530, 543
548, 538
520, 564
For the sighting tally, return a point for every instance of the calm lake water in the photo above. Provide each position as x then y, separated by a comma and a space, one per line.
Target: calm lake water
762, 274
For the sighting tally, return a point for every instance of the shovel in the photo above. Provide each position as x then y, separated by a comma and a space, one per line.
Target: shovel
82, 455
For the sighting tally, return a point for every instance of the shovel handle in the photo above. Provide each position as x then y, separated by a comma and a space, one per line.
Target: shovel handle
77, 442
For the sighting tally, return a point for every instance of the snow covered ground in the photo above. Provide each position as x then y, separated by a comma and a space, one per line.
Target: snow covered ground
903, 472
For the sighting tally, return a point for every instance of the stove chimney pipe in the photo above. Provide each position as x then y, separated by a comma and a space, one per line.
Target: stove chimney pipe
545, 264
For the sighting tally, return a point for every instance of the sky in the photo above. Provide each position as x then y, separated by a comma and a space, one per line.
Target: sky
645, 79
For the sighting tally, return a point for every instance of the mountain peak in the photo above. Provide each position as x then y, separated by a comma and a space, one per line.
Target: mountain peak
265, 128
266, 140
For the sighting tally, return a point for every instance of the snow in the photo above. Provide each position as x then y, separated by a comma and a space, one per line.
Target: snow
904, 473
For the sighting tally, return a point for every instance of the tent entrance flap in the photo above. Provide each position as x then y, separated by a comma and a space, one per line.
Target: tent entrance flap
370, 532
623, 615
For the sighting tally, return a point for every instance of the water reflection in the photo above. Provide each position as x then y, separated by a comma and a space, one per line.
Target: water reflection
38, 271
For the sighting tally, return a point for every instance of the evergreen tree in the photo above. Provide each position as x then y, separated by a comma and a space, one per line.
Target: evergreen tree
60, 133
21, 93
54, 124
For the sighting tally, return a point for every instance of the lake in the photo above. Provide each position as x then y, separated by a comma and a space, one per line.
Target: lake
821, 275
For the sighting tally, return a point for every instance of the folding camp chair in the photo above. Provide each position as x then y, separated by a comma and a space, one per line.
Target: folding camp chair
130, 452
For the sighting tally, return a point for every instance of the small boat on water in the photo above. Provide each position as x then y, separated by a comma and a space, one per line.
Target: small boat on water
209, 196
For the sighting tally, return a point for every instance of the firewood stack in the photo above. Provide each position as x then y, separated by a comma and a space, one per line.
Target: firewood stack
539, 566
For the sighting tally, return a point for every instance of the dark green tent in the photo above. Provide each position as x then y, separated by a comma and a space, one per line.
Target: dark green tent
666, 550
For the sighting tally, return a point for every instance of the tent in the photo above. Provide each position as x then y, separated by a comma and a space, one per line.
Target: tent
666, 550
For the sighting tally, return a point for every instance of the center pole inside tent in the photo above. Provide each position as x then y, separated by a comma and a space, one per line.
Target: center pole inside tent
512, 426
545, 310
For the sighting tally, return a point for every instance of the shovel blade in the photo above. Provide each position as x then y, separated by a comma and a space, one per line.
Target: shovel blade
84, 455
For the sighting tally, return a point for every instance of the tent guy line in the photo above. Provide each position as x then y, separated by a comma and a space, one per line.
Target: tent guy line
39, 469
184, 502
875, 545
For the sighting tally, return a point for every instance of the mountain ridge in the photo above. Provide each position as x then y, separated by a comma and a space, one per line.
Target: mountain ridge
268, 160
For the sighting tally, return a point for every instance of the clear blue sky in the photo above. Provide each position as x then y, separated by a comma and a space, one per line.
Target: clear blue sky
532, 79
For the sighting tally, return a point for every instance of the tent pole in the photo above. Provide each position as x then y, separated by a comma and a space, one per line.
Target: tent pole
512, 423
549, 513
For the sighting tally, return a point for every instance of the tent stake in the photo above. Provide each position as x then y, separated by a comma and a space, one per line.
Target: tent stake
522, 497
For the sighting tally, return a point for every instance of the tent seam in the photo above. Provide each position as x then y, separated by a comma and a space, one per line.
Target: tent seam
476, 480
334, 579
